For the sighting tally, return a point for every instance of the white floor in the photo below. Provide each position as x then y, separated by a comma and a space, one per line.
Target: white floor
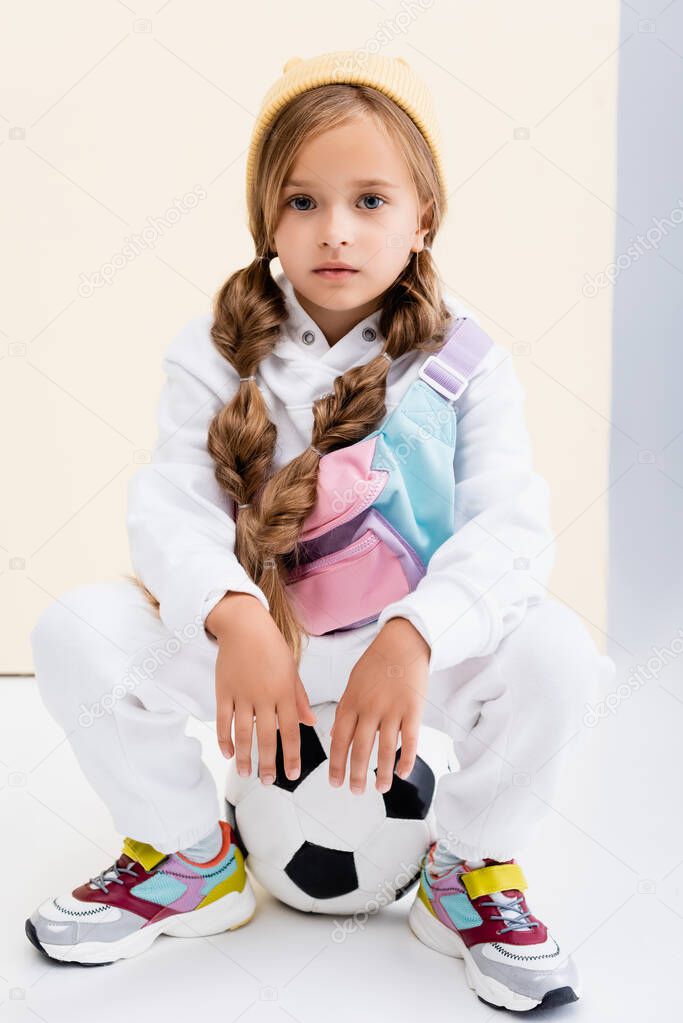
607, 878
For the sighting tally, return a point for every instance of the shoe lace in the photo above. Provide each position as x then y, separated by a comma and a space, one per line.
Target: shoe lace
101, 881
518, 923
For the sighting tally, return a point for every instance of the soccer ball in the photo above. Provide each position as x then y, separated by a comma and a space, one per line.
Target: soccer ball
323, 849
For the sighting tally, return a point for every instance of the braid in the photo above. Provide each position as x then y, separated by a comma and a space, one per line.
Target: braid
248, 312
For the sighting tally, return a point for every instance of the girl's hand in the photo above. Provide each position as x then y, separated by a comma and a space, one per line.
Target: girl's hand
385, 692
256, 676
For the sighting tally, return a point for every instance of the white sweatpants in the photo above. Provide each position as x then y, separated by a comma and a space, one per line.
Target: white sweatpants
122, 686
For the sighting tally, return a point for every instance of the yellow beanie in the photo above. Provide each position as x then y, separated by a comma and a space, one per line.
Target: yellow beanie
391, 75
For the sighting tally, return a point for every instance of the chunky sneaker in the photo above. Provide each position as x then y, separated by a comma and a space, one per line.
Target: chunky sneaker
119, 913
511, 960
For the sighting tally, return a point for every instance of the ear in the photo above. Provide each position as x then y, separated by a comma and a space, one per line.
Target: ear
423, 230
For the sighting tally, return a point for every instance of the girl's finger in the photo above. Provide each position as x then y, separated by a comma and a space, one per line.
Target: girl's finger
288, 722
344, 727
410, 733
363, 740
224, 728
244, 730
386, 754
266, 733
305, 712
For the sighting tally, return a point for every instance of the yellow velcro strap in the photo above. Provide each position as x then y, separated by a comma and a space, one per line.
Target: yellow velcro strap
145, 854
497, 878
234, 883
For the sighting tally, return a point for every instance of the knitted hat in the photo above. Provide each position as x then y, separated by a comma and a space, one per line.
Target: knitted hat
391, 75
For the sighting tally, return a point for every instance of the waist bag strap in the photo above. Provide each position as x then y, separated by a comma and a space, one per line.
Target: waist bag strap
450, 370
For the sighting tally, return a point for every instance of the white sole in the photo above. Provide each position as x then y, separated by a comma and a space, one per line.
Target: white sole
432, 932
225, 914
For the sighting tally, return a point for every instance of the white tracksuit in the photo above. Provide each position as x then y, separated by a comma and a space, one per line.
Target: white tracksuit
510, 668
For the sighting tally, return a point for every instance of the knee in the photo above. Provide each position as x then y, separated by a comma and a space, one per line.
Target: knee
53, 625
64, 618
70, 637
560, 657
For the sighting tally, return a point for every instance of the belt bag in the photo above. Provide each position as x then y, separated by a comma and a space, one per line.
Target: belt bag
386, 503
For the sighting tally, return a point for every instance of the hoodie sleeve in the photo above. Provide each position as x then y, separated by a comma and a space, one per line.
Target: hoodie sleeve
180, 522
480, 581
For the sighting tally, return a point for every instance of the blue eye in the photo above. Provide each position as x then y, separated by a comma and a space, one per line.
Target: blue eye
373, 196
305, 198
296, 198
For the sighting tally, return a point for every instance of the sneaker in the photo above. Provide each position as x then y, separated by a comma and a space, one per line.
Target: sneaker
511, 960
119, 913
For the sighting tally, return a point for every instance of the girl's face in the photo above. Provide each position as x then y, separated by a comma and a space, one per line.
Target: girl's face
348, 199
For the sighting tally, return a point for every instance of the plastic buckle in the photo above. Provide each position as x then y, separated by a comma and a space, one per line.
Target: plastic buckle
435, 383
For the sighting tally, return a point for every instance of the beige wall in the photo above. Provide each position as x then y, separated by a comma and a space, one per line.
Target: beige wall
108, 120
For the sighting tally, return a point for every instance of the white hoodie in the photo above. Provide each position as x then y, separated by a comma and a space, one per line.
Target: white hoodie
478, 584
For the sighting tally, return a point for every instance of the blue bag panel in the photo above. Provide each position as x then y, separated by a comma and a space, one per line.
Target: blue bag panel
417, 445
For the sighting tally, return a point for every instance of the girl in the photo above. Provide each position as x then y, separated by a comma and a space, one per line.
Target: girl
345, 185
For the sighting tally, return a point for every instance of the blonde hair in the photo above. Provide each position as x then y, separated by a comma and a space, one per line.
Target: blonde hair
249, 310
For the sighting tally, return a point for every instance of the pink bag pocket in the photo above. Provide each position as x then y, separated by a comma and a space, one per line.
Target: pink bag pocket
351, 586
347, 485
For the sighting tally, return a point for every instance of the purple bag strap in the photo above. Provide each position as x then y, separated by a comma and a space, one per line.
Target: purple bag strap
450, 370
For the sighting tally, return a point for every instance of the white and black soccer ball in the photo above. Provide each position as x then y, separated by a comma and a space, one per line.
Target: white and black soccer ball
323, 849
